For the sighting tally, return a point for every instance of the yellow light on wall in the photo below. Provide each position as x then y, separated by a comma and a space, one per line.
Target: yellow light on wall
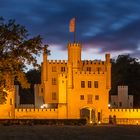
44, 106
90, 122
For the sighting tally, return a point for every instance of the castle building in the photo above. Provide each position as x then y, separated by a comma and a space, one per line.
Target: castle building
72, 89
77, 87
122, 100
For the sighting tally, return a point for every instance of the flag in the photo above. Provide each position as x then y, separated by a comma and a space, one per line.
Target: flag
72, 25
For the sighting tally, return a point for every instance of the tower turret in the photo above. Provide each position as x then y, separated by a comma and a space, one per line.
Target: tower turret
108, 69
44, 66
74, 55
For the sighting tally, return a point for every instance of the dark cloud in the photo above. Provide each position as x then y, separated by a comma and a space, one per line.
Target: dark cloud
125, 38
109, 25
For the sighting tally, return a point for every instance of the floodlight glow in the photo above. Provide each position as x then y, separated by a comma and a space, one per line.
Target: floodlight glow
109, 105
44, 106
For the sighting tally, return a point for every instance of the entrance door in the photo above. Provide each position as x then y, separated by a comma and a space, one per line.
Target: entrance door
88, 114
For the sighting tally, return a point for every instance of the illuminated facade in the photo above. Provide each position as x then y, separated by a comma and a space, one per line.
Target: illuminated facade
122, 100
71, 89
77, 87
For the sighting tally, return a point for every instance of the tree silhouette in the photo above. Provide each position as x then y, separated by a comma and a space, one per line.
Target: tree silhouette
17, 50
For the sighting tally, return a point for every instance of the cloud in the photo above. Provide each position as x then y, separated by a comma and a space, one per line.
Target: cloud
106, 25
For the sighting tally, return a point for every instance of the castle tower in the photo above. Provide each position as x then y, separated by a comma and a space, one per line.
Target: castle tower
74, 61
108, 69
7, 110
44, 70
74, 55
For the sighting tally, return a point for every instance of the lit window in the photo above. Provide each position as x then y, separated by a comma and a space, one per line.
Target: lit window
96, 84
98, 69
89, 84
11, 101
53, 69
82, 84
62, 69
41, 90
89, 98
53, 95
81, 97
96, 97
88, 68
53, 81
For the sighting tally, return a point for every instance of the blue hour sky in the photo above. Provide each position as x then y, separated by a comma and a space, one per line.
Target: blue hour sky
102, 26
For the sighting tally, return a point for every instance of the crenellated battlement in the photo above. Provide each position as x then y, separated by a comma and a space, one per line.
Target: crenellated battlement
74, 44
64, 75
34, 110
57, 62
124, 110
93, 62
34, 113
89, 73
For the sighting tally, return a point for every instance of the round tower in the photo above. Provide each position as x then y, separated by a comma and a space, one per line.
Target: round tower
70, 84
108, 69
44, 66
74, 54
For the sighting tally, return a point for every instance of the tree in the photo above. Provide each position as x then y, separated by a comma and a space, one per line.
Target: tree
34, 76
126, 71
27, 95
17, 50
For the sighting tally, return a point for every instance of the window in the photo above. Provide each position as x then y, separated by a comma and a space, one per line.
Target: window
81, 97
96, 97
62, 69
99, 116
41, 90
88, 68
89, 84
89, 98
82, 84
53, 95
53, 81
53, 69
98, 69
11, 101
96, 84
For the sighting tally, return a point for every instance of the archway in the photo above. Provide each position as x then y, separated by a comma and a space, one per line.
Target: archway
88, 114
